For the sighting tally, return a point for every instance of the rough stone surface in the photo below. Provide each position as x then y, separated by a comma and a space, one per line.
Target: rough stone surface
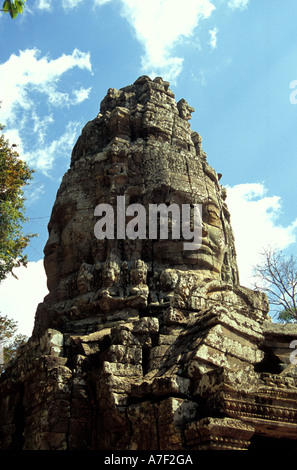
141, 344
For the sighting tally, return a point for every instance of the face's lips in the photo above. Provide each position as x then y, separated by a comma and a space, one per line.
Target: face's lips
206, 249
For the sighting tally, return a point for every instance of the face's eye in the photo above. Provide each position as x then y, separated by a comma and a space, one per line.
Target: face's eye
211, 215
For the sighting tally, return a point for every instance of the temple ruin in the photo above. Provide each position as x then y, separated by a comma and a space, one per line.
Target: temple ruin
140, 344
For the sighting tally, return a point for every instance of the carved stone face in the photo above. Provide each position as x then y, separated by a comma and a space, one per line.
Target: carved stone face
152, 158
211, 253
70, 234
110, 274
209, 258
168, 280
138, 273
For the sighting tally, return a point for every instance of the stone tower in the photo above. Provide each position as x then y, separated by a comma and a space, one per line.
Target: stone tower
141, 344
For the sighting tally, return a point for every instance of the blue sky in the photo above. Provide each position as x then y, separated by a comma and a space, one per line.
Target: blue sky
232, 60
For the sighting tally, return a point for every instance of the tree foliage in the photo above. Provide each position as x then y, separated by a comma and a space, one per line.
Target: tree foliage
13, 7
14, 175
286, 317
277, 277
10, 341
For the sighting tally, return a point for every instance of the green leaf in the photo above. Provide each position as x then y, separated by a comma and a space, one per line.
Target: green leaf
19, 6
7, 6
13, 7
13, 12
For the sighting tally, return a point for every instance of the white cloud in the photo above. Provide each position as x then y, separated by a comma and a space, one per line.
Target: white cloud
28, 71
66, 4
40, 126
254, 218
213, 37
43, 158
33, 192
160, 25
241, 4
13, 136
44, 4
30, 84
81, 95
101, 2
59, 99
19, 297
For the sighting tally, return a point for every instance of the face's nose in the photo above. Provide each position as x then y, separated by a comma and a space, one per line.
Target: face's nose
53, 242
